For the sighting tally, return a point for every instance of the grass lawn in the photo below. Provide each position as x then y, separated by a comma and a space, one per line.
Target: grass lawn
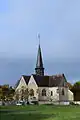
40, 112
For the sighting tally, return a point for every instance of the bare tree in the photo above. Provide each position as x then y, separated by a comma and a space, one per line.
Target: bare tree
31, 93
26, 94
17, 95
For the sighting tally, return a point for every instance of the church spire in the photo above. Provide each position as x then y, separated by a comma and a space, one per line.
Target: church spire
39, 64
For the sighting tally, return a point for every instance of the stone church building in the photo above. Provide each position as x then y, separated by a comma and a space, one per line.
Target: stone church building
43, 87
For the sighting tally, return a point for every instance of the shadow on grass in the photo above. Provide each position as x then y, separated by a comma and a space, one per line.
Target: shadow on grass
5, 111
29, 116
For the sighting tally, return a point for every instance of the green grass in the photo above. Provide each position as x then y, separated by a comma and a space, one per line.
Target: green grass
40, 112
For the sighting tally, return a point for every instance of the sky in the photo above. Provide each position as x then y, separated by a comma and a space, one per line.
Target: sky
57, 21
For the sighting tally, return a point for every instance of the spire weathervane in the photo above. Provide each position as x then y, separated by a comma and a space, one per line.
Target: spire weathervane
39, 38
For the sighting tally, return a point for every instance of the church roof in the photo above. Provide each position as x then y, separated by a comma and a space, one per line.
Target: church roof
26, 78
49, 81
17, 84
46, 81
42, 81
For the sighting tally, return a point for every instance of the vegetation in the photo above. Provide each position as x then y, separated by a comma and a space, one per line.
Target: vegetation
40, 112
23, 94
76, 90
77, 85
74, 86
69, 85
6, 92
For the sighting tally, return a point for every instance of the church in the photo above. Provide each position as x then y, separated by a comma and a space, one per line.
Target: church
43, 87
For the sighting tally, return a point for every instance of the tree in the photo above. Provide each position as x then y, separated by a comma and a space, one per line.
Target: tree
17, 95
69, 85
1, 93
11, 93
26, 94
6, 92
31, 93
76, 90
77, 85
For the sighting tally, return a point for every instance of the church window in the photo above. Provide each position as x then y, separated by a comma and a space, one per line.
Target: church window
51, 93
43, 92
31, 93
37, 91
57, 90
62, 91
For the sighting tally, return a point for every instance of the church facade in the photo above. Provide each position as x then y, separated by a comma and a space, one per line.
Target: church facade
43, 87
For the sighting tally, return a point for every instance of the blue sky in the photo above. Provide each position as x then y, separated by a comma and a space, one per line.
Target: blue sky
57, 21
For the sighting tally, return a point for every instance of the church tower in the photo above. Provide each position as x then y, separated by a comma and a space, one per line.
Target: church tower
39, 70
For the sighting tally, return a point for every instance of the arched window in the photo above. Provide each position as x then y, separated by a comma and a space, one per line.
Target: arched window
31, 92
37, 91
62, 91
43, 92
58, 90
51, 93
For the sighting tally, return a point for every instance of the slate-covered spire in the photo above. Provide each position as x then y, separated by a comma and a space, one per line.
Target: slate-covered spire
39, 64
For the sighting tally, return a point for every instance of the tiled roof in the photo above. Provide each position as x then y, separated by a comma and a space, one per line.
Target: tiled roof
47, 81
17, 84
26, 78
50, 81
42, 81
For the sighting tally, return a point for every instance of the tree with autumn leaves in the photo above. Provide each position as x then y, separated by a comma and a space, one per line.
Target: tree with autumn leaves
23, 94
6, 92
